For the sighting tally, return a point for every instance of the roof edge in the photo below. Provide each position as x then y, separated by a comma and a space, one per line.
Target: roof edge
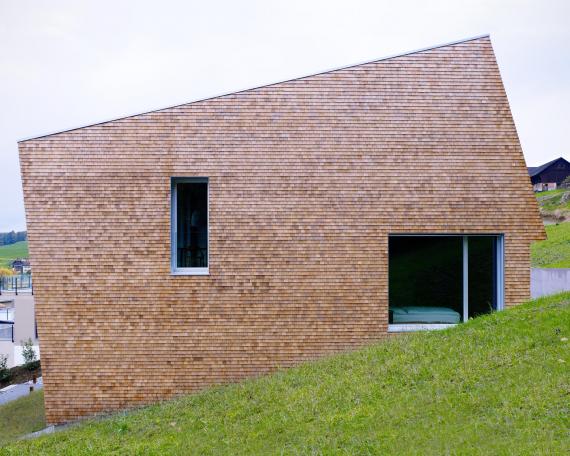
127, 116
535, 170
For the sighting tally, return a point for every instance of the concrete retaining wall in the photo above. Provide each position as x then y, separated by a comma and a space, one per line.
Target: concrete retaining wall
549, 281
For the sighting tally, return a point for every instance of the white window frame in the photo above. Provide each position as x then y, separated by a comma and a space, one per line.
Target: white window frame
174, 181
499, 279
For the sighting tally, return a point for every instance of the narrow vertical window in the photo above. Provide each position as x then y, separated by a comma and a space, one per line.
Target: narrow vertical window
189, 225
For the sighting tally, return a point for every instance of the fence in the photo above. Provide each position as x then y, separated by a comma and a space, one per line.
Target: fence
16, 283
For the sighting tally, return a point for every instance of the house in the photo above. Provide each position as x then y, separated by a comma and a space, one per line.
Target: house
17, 325
221, 239
21, 266
550, 175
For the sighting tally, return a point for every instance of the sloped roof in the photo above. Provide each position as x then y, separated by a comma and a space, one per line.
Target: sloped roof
486, 35
418, 117
534, 170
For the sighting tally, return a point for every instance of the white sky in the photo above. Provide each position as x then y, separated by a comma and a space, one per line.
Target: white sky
68, 63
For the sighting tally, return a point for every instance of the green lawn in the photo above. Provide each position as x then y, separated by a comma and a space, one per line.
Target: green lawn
553, 200
550, 192
554, 252
22, 416
498, 384
13, 251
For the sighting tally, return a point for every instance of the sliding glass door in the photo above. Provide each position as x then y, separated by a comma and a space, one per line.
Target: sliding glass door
441, 280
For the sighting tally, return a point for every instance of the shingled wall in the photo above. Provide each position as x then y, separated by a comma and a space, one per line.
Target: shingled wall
307, 179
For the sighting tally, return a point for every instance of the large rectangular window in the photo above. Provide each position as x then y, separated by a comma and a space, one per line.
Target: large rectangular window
439, 280
189, 225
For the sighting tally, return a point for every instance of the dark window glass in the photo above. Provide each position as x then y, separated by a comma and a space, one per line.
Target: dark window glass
192, 225
425, 280
482, 275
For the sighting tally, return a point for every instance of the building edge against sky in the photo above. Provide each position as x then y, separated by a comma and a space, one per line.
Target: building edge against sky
305, 183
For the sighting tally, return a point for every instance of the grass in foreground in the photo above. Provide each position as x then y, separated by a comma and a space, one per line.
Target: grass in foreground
22, 416
554, 252
496, 385
13, 251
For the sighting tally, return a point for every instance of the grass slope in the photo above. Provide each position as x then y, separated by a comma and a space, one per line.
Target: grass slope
554, 204
22, 416
13, 251
554, 252
496, 385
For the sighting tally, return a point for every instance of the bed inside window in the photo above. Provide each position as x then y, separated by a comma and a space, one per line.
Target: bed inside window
436, 281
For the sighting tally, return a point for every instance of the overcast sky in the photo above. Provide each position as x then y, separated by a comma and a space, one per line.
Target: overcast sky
68, 63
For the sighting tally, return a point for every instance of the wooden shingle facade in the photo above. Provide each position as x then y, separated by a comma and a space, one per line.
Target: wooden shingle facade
307, 178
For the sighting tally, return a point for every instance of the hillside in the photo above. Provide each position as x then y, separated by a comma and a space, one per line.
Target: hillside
554, 205
496, 385
13, 251
22, 416
554, 252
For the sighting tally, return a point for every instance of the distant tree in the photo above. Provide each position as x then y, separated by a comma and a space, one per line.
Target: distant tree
12, 237
4, 371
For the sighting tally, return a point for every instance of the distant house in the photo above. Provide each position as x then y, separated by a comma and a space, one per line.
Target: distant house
550, 175
21, 266
17, 324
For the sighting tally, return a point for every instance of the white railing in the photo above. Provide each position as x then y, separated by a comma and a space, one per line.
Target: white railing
16, 284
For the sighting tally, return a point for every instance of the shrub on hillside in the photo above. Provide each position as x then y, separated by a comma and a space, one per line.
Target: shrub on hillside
28, 353
4, 371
